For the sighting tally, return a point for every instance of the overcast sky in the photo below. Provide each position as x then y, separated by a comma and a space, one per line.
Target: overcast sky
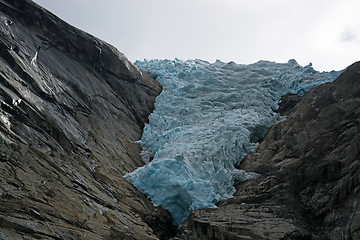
324, 32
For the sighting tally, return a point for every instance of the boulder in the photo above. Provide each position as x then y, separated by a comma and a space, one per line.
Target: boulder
72, 109
309, 187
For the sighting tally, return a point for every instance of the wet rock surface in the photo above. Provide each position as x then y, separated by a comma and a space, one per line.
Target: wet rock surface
72, 107
310, 174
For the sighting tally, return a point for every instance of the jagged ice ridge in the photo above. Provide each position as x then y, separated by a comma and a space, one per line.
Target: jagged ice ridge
208, 117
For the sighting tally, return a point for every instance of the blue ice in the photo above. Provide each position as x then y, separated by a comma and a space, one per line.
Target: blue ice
208, 117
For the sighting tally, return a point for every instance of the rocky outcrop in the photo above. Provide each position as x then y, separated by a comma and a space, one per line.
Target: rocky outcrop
72, 107
309, 186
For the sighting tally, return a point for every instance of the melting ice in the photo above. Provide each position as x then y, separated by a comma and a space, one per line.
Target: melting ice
208, 117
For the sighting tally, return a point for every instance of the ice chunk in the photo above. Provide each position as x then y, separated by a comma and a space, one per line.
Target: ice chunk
208, 117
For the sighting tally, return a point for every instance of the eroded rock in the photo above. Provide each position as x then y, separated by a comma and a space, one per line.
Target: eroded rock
72, 107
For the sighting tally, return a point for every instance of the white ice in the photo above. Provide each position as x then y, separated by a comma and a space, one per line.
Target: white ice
208, 117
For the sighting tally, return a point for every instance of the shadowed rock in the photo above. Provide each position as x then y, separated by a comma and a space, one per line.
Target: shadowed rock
310, 174
72, 107
287, 103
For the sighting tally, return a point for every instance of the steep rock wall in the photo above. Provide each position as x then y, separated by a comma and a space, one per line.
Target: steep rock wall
310, 174
72, 107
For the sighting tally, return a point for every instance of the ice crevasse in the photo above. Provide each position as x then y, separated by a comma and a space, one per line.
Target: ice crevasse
207, 118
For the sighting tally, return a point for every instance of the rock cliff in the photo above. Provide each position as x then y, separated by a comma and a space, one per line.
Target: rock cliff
309, 186
72, 107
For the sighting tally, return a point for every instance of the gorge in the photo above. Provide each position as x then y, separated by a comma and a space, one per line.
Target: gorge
73, 111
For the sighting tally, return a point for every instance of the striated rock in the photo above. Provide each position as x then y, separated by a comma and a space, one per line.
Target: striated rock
310, 174
72, 107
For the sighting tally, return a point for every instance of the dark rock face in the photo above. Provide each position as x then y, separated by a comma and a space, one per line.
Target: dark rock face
72, 107
309, 186
287, 103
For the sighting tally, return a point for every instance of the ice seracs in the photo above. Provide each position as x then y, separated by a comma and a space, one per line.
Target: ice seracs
208, 117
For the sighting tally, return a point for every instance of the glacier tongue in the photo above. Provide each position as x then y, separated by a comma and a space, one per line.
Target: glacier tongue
208, 117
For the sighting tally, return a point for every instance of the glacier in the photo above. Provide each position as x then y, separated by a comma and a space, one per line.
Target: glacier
207, 118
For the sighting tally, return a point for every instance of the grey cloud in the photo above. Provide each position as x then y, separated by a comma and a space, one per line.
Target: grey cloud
348, 36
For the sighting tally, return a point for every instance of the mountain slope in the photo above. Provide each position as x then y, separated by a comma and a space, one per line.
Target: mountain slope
72, 107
